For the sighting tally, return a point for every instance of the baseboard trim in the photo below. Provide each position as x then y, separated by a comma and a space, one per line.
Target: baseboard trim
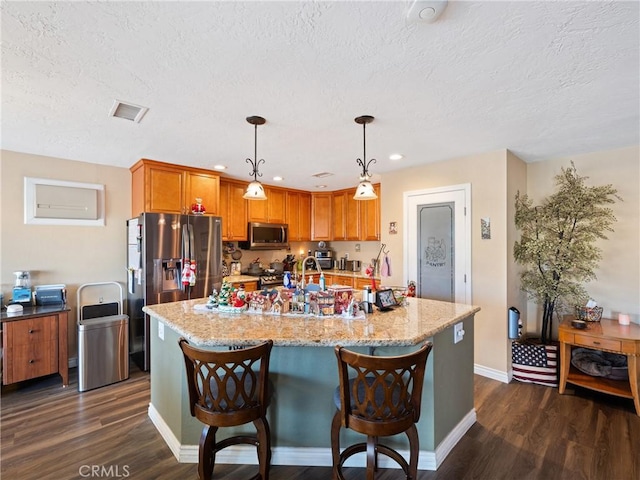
307, 456
492, 373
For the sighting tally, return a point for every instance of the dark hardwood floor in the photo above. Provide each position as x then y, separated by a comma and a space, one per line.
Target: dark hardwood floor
523, 432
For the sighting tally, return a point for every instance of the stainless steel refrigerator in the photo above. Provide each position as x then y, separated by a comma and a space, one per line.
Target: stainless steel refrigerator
160, 246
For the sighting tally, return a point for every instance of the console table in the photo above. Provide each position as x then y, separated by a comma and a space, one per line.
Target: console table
609, 336
35, 343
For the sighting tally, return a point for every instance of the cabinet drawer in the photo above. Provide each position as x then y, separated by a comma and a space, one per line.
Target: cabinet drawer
597, 342
33, 331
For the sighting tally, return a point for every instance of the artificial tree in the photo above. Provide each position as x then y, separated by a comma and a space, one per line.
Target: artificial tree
558, 243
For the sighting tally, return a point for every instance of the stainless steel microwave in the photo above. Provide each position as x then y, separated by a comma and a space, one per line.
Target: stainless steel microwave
266, 236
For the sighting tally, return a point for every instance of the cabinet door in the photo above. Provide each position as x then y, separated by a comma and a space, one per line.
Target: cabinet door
271, 210
360, 283
304, 219
31, 348
321, 216
276, 205
204, 186
339, 218
293, 216
233, 209
342, 280
164, 190
352, 216
370, 217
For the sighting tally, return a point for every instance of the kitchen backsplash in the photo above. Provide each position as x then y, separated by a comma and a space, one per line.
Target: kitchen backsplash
367, 252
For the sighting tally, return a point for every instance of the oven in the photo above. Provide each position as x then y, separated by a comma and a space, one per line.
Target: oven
270, 280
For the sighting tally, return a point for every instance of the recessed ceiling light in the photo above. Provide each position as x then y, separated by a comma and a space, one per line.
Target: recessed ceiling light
396, 156
219, 167
277, 178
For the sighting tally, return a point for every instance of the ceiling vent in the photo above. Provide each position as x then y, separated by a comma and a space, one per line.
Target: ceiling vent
128, 111
322, 174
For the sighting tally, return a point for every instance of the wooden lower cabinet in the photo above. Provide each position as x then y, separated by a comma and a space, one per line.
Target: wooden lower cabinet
248, 286
338, 280
35, 347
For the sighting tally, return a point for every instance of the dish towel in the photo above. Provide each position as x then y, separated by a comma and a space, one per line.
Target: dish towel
385, 268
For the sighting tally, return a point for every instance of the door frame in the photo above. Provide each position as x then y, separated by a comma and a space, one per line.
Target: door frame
430, 196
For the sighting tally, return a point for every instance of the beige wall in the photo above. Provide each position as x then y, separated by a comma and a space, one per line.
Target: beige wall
617, 288
487, 174
495, 178
72, 255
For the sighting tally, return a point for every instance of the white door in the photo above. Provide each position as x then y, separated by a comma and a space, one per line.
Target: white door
438, 238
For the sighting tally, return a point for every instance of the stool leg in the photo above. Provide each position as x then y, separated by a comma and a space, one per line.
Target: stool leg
414, 448
371, 458
264, 447
206, 454
336, 424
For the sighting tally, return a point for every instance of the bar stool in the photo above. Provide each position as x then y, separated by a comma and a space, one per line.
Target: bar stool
226, 390
382, 399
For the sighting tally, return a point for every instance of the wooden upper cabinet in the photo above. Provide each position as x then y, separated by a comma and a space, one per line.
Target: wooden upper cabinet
205, 186
321, 218
370, 217
346, 216
271, 210
167, 188
233, 210
299, 216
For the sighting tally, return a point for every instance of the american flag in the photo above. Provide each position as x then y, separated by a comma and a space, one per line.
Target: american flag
535, 363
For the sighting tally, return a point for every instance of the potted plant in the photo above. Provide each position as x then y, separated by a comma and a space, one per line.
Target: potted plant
558, 244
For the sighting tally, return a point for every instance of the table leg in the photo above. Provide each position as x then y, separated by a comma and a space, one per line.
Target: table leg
634, 379
565, 364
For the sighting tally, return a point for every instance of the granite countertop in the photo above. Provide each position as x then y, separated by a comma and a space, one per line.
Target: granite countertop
407, 325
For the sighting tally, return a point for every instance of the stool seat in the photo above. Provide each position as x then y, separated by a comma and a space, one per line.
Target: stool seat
378, 397
227, 389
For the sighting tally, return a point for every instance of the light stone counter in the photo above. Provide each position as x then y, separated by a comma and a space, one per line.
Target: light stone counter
303, 372
402, 326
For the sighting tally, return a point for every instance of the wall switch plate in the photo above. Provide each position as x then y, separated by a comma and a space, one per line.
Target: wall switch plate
161, 330
458, 332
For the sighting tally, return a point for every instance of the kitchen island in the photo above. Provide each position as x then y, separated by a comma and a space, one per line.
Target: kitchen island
303, 370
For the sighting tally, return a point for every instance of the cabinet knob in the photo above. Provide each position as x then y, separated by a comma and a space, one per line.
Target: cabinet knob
595, 342
31, 330
31, 361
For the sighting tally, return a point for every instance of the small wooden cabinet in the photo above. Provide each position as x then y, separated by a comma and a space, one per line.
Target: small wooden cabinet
167, 188
35, 345
233, 210
606, 335
299, 216
271, 210
321, 217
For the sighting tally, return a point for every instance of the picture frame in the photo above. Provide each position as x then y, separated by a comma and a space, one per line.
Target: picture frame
385, 299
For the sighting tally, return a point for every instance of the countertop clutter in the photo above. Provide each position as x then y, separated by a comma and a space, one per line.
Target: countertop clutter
407, 325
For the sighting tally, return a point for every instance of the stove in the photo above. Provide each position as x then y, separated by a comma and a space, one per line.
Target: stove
266, 279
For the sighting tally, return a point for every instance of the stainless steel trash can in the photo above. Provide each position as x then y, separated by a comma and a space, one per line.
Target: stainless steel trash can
103, 339
103, 351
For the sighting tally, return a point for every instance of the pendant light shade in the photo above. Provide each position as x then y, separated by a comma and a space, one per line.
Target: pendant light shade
365, 189
255, 190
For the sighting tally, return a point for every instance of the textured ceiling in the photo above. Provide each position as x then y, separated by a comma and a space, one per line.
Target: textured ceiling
543, 79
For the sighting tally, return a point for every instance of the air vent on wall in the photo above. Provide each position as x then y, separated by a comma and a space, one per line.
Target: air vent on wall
128, 111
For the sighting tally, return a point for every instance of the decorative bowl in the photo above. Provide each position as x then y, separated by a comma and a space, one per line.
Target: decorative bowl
587, 314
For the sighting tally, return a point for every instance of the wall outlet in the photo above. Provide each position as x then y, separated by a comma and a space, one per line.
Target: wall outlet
357, 247
161, 330
458, 332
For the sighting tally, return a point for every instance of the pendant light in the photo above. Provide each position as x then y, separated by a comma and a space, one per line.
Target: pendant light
365, 189
255, 190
